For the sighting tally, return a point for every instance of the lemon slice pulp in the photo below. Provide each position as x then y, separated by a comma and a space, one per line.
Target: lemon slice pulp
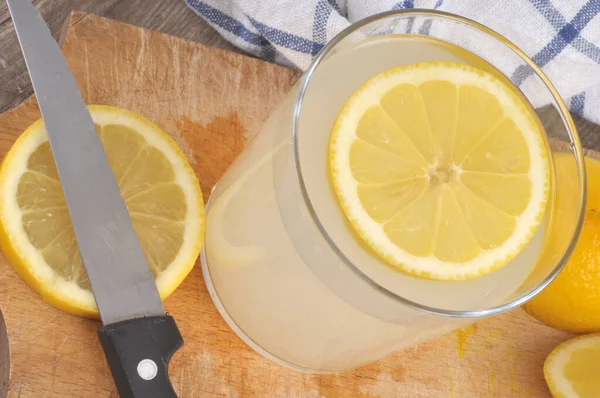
571, 369
441, 169
157, 183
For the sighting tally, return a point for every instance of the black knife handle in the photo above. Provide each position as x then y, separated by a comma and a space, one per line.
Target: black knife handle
135, 349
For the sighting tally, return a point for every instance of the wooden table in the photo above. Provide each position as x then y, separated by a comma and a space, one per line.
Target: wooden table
173, 17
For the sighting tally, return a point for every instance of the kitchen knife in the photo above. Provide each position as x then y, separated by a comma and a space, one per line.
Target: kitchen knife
138, 338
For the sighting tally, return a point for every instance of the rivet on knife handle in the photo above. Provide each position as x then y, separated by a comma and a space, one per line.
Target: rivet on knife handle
138, 353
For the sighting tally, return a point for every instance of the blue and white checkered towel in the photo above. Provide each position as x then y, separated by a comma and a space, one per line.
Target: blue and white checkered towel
561, 36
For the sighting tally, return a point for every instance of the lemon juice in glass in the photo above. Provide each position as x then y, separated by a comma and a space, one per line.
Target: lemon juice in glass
404, 187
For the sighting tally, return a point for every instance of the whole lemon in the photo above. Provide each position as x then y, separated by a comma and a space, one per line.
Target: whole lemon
572, 301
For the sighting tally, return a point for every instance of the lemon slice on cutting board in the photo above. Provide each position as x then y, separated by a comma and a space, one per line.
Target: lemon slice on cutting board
157, 183
441, 168
572, 370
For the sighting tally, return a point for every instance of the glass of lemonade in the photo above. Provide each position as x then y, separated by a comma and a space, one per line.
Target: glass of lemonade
450, 187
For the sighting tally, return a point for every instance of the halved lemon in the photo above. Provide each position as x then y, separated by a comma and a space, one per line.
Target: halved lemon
157, 183
441, 168
572, 301
572, 370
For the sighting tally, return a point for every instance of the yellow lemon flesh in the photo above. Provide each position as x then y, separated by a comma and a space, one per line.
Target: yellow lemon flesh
157, 183
441, 168
571, 369
572, 301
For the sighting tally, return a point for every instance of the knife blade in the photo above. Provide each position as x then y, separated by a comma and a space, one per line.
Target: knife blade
138, 338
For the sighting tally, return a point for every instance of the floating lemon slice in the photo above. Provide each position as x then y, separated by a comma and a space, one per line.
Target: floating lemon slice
157, 183
571, 369
441, 169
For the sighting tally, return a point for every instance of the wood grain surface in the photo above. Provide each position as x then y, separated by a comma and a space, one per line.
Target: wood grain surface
212, 102
173, 17
4, 358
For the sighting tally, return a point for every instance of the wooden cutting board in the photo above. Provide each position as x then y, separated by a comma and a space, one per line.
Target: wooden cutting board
212, 102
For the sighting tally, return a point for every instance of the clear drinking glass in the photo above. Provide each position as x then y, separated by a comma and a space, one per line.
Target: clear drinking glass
280, 261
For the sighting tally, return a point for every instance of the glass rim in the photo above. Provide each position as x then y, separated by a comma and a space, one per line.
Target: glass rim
565, 116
